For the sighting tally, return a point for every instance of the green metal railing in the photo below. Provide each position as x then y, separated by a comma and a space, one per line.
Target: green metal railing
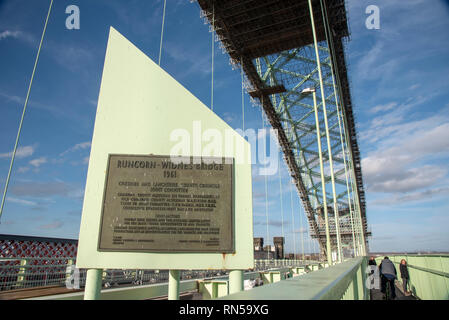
429, 275
23, 273
293, 280
343, 281
265, 273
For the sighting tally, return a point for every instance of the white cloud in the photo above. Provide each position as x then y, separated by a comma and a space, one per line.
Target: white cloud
426, 195
83, 145
405, 180
78, 146
52, 226
38, 162
409, 154
273, 223
23, 169
45, 189
22, 152
21, 201
197, 61
9, 34
383, 108
300, 230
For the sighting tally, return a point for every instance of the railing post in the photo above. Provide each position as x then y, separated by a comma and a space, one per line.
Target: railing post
173, 285
214, 293
93, 284
235, 281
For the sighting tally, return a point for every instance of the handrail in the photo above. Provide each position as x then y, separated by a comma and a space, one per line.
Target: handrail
438, 273
329, 283
428, 274
147, 291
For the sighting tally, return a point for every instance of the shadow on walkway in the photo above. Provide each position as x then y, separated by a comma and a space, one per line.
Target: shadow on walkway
377, 295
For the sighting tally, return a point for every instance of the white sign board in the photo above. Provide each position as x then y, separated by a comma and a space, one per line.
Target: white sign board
142, 111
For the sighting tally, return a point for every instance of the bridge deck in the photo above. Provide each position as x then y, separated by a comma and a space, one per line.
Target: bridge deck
377, 295
34, 292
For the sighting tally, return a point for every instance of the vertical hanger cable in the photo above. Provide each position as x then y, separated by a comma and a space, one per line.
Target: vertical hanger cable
162, 32
24, 109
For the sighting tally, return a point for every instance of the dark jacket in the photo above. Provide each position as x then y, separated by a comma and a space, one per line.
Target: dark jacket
372, 263
386, 267
404, 271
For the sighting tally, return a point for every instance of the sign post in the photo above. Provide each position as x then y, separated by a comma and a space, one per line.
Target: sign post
160, 193
92, 291
173, 285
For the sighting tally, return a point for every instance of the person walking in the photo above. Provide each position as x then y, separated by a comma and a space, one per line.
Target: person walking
404, 275
372, 270
388, 274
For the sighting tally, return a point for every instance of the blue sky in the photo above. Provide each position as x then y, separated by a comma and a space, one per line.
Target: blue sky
399, 77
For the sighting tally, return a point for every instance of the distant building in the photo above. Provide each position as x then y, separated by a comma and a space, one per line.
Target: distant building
258, 244
278, 247
269, 251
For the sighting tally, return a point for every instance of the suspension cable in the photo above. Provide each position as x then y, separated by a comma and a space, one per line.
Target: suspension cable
213, 54
280, 196
301, 230
24, 109
266, 188
243, 96
162, 32
293, 219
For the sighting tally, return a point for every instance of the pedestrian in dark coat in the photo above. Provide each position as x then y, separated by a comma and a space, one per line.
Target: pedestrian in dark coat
404, 275
388, 274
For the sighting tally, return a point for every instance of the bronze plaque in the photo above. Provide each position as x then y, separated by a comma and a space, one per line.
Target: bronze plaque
153, 204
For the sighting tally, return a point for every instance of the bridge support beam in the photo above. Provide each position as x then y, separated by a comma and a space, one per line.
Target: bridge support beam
235, 281
93, 284
173, 285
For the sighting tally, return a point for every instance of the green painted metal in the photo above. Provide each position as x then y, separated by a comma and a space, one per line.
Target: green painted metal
128, 293
173, 285
93, 284
312, 66
331, 165
323, 184
336, 279
235, 281
341, 281
429, 275
155, 116
212, 289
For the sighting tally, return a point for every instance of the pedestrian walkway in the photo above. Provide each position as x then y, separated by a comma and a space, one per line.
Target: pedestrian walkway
377, 295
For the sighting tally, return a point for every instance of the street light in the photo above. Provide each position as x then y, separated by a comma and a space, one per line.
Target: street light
308, 90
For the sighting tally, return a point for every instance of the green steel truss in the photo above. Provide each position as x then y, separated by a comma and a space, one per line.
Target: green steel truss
276, 43
297, 70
